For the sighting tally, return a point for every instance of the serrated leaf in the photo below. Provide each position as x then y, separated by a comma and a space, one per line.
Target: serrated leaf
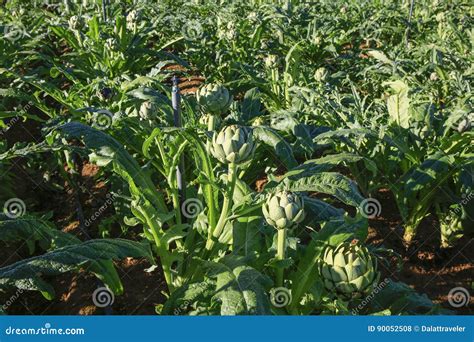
240, 289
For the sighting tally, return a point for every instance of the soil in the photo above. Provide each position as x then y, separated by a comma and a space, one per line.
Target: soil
425, 266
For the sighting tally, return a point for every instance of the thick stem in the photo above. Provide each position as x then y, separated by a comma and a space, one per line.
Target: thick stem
211, 126
226, 205
281, 249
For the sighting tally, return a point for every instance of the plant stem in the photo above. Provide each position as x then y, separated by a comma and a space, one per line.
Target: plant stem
211, 126
226, 205
281, 249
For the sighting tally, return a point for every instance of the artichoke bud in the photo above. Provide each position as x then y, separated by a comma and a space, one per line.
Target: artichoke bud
132, 19
349, 270
464, 125
110, 44
321, 74
271, 61
233, 144
75, 23
148, 110
283, 209
259, 121
214, 98
204, 120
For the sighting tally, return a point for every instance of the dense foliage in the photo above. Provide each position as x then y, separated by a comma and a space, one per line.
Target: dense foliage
326, 102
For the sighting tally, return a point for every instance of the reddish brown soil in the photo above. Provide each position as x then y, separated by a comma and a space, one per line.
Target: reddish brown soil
425, 267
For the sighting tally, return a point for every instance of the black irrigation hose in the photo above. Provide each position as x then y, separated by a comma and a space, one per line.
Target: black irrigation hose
412, 4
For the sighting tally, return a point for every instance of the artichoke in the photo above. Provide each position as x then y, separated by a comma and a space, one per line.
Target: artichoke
259, 121
464, 125
214, 98
132, 19
233, 144
148, 110
321, 74
349, 270
75, 22
283, 210
204, 120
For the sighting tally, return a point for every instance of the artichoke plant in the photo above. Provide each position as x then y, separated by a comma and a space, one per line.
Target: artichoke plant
214, 98
349, 270
283, 210
233, 144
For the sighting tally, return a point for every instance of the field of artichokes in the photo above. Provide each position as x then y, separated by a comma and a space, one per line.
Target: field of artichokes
252, 157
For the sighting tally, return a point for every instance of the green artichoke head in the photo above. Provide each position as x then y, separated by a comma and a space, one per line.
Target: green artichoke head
233, 144
349, 270
214, 98
259, 121
204, 120
283, 209
75, 22
148, 110
321, 74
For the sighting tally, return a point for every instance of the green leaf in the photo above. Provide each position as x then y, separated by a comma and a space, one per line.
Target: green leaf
30, 228
240, 288
331, 183
26, 274
247, 239
398, 103
401, 299
251, 105
281, 148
